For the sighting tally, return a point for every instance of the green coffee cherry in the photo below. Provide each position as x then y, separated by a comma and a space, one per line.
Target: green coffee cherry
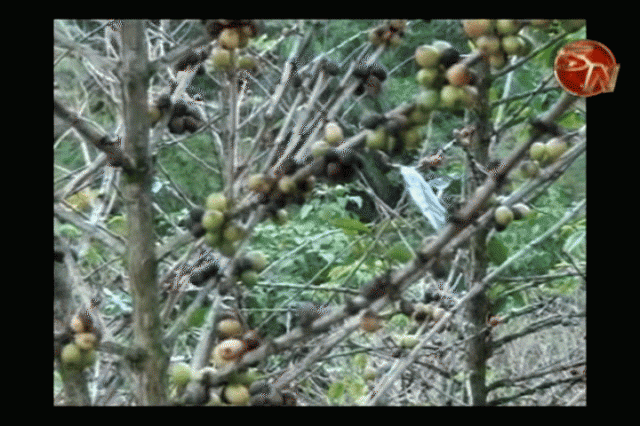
503, 217
212, 220
427, 56
537, 151
180, 374
217, 201
71, 356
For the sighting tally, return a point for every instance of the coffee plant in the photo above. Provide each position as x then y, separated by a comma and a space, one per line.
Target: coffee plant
309, 212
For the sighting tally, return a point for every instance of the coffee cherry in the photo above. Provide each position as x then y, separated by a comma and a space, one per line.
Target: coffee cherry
498, 60
258, 183
458, 75
229, 327
71, 355
227, 351
530, 168
236, 394
212, 220
280, 217
427, 56
87, 358
333, 133
513, 45
427, 77
488, 44
246, 63
450, 96
221, 58
257, 260
287, 185
441, 45
503, 216
86, 341
507, 26
229, 38
249, 278
212, 239
180, 374
449, 57
411, 138
520, 211
555, 148
477, 27
319, 149
77, 324
232, 233
176, 125
377, 139
537, 151
216, 201
428, 99
421, 114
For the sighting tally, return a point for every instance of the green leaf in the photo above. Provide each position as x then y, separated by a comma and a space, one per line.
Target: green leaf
400, 252
350, 226
197, 318
305, 210
497, 251
360, 360
335, 392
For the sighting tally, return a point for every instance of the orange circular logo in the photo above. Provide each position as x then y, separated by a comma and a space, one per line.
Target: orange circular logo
586, 68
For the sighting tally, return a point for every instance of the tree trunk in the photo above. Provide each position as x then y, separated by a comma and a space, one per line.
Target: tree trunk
478, 347
141, 261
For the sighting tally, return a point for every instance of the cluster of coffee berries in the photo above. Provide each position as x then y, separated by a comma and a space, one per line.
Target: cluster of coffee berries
332, 136
263, 394
280, 189
248, 267
541, 154
504, 215
231, 34
422, 312
394, 133
234, 342
78, 351
498, 39
370, 78
445, 81
235, 390
549, 152
191, 60
218, 229
184, 116
389, 33
336, 166
208, 268
222, 59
